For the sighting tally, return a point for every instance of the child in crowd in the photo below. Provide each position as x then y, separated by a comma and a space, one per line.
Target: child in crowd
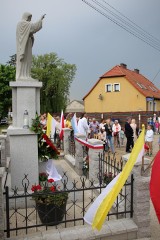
149, 139
121, 135
102, 137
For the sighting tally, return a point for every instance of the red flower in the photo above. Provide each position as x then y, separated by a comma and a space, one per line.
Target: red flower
53, 188
50, 180
33, 188
36, 187
39, 187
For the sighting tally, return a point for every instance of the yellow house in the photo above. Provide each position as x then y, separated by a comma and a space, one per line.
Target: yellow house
122, 90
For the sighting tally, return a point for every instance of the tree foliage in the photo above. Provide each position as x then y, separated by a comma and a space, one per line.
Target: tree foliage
7, 74
57, 77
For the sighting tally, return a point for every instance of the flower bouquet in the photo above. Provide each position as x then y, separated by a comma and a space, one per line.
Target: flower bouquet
108, 177
46, 148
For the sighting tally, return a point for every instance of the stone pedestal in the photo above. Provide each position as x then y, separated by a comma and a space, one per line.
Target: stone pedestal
79, 154
24, 156
141, 197
67, 132
94, 159
23, 142
25, 96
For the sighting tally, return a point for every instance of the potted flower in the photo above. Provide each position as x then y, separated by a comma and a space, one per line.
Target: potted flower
43, 177
108, 177
50, 202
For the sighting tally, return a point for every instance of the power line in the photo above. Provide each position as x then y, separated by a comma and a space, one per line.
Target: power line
156, 39
129, 29
155, 76
130, 24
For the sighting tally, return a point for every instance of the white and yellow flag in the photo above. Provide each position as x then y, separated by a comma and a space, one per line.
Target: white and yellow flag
51, 126
98, 211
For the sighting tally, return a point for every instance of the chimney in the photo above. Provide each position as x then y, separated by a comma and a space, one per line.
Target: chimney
123, 65
136, 70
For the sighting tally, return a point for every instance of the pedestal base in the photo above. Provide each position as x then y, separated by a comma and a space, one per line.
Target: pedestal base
24, 156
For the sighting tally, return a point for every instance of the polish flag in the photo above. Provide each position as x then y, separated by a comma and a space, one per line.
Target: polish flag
61, 126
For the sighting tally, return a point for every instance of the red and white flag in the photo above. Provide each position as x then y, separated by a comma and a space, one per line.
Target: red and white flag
155, 185
61, 126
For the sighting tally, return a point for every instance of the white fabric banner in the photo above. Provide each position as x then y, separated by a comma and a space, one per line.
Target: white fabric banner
52, 171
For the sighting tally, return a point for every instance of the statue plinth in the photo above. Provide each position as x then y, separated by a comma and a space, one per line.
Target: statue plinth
23, 142
25, 96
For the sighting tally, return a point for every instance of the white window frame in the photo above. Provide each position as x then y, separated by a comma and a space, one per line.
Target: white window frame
106, 89
114, 87
139, 85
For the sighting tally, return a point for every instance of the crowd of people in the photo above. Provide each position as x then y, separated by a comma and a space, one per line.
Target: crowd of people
109, 131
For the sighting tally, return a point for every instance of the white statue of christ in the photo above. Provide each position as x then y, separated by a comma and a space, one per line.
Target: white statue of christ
25, 40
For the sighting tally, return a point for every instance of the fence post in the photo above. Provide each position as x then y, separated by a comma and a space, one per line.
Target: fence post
79, 153
2, 170
141, 198
94, 158
67, 132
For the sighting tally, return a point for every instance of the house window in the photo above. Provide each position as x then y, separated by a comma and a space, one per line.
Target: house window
153, 89
108, 87
116, 87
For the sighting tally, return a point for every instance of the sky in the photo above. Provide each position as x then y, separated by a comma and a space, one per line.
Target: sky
81, 36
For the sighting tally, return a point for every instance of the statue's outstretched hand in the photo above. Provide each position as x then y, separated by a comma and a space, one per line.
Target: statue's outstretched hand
43, 16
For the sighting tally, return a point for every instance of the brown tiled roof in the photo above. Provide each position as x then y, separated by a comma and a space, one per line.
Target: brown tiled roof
141, 83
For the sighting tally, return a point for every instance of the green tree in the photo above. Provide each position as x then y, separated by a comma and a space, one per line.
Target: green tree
12, 61
7, 74
57, 77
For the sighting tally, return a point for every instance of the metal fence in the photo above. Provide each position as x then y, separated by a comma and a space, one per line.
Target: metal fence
23, 216
109, 167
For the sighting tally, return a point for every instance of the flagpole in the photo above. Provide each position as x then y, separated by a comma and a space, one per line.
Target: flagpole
142, 168
149, 166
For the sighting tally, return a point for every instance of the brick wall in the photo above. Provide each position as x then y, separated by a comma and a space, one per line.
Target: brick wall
121, 116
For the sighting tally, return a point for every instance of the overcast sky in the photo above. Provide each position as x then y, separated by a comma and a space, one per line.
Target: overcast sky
83, 37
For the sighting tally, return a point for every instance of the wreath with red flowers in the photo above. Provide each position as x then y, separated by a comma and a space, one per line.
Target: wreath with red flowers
46, 148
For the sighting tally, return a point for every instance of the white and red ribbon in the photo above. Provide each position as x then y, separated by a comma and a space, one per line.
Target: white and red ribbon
85, 143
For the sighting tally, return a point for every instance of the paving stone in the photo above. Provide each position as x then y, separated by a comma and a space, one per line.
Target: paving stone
51, 234
116, 227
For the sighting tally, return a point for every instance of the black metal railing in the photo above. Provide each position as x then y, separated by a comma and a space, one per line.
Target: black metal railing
22, 216
85, 167
109, 167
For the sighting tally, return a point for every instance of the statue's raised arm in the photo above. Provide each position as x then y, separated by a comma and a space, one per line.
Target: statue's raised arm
25, 40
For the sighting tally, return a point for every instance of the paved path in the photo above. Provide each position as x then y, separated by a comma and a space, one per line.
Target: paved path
155, 227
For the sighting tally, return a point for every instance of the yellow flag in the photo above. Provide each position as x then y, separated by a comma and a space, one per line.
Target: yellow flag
49, 123
106, 204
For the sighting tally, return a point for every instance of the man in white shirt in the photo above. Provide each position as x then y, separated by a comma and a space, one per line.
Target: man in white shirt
83, 125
